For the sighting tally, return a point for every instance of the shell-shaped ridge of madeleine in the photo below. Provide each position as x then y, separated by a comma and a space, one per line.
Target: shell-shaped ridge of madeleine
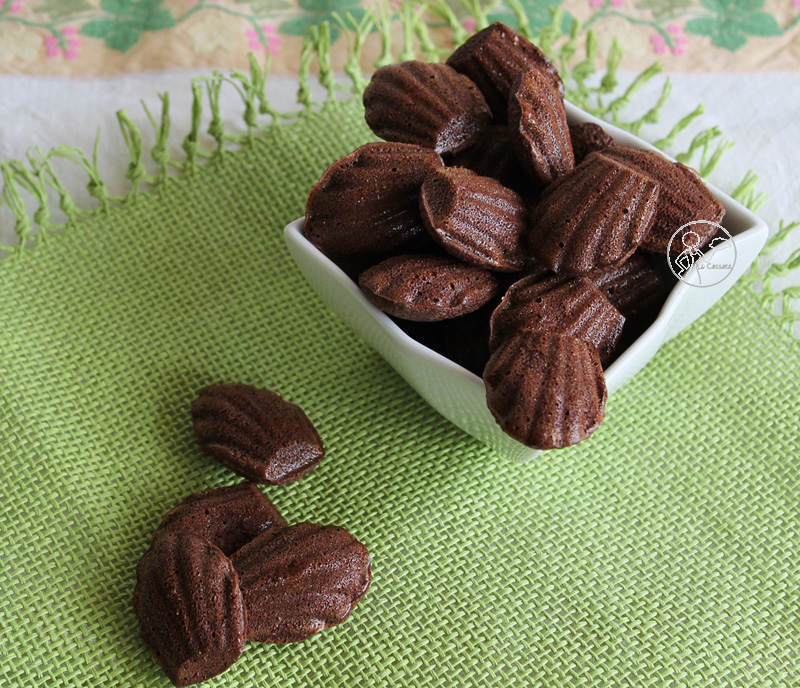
365, 207
475, 218
256, 433
546, 389
558, 304
494, 57
539, 130
684, 198
587, 138
594, 218
427, 288
301, 580
190, 607
228, 517
430, 105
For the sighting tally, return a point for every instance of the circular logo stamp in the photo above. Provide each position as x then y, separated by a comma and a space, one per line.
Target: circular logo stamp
696, 267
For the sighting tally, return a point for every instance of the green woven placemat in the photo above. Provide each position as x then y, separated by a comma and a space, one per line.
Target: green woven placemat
663, 552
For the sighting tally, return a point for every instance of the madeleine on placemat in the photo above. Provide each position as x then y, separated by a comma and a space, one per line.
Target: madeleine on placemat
301, 580
190, 607
256, 433
227, 517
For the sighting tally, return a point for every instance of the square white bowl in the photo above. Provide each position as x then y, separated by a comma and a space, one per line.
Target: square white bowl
459, 395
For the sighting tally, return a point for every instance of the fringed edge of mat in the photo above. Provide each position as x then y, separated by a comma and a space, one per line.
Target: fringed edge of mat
574, 52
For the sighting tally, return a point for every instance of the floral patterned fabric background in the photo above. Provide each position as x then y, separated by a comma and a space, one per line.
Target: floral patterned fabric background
105, 37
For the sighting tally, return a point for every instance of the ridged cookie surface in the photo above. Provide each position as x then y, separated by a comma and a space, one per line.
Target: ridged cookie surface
366, 207
546, 389
430, 105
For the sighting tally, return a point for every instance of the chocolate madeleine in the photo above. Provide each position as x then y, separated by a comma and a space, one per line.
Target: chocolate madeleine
594, 218
301, 580
474, 218
492, 155
558, 304
190, 607
365, 207
588, 137
427, 288
430, 105
494, 57
683, 198
228, 517
539, 131
256, 433
635, 287
546, 389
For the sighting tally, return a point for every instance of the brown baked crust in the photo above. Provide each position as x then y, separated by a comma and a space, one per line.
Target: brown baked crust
684, 198
429, 105
494, 57
365, 207
492, 155
475, 219
588, 137
635, 287
539, 131
301, 580
256, 433
190, 607
546, 389
427, 288
594, 218
558, 304
228, 517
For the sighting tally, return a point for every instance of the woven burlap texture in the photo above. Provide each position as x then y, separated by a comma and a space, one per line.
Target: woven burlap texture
663, 551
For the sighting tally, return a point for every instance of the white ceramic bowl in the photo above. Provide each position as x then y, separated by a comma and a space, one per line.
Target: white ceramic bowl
459, 395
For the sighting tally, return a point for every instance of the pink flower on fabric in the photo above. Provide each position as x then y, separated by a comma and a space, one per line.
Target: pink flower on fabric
680, 39
70, 38
594, 4
16, 6
617, 3
658, 43
51, 46
795, 3
272, 40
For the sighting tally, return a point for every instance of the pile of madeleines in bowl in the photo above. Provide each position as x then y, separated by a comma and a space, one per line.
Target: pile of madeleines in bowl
489, 229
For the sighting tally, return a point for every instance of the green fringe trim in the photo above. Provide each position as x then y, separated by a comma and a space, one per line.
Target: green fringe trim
575, 52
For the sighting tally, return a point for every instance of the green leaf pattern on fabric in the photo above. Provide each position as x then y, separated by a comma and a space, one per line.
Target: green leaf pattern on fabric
733, 21
129, 19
